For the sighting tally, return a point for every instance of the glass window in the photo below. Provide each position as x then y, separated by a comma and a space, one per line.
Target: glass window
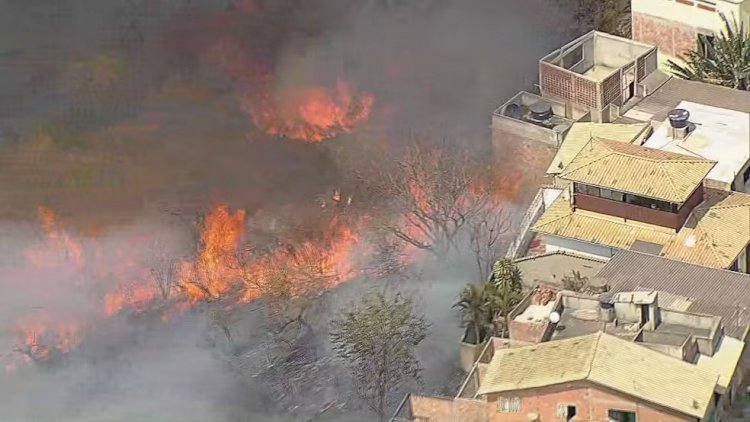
509, 405
621, 416
605, 193
593, 191
618, 196
578, 188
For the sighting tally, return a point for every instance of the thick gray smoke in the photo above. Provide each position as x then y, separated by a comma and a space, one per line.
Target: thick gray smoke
175, 124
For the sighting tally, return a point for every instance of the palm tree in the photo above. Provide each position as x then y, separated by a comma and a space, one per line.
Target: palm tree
474, 310
724, 61
505, 272
505, 292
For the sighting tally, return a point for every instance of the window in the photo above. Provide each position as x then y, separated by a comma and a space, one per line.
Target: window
605, 193
566, 412
578, 188
621, 416
592, 191
618, 196
509, 405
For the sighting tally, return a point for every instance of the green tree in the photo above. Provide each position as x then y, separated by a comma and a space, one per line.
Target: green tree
505, 272
475, 311
377, 341
724, 61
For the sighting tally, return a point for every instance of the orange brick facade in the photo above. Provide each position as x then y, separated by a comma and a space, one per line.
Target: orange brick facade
672, 38
592, 404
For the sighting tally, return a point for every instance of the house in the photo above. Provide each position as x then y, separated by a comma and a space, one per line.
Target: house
674, 25
682, 286
614, 356
580, 133
595, 377
597, 75
623, 196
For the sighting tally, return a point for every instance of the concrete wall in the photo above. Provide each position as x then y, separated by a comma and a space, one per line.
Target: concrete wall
555, 243
616, 53
674, 351
592, 403
526, 130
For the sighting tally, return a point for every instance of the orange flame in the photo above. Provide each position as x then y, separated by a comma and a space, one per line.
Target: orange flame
214, 271
309, 114
40, 335
61, 248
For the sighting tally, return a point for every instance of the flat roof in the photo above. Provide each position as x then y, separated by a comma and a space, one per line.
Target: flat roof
667, 95
720, 135
551, 267
724, 360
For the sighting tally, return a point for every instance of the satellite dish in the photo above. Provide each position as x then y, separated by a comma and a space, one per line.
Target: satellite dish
554, 317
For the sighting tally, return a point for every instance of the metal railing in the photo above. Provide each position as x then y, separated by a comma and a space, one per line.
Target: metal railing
532, 214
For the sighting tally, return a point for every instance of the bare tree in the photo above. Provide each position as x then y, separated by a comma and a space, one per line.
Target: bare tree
436, 192
164, 269
487, 231
377, 341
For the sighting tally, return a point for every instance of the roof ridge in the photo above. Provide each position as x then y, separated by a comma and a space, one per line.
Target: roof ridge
669, 179
568, 168
594, 355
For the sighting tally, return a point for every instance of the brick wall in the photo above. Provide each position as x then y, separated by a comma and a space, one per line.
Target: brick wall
591, 403
672, 38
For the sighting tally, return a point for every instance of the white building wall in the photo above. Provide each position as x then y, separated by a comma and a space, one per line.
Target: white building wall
693, 15
555, 243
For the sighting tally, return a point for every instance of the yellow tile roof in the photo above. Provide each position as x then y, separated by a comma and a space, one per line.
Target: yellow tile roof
608, 361
714, 234
724, 361
637, 170
581, 133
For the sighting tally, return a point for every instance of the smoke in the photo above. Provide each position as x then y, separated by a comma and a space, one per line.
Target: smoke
130, 92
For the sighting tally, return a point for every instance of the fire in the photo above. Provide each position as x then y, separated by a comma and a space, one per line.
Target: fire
309, 114
135, 296
309, 268
39, 336
60, 247
214, 271
306, 113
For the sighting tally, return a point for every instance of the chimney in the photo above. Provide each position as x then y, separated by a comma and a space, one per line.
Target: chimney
679, 124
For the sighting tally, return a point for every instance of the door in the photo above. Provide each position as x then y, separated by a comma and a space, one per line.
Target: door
628, 85
644, 314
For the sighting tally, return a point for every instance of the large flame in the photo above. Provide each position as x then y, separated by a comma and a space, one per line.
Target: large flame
310, 114
214, 271
307, 113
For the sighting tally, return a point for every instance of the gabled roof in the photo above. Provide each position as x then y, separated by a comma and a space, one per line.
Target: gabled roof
608, 361
580, 134
714, 235
711, 291
638, 170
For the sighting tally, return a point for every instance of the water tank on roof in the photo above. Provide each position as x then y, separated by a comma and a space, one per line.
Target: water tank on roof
679, 118
514, 111
540, 111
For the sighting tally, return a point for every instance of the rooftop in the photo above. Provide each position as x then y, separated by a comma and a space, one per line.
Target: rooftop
719, 135
724, 360
552, 267
637, 170
726, 296
608, 361
670, 92
714, 235
580, 134
596, 55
